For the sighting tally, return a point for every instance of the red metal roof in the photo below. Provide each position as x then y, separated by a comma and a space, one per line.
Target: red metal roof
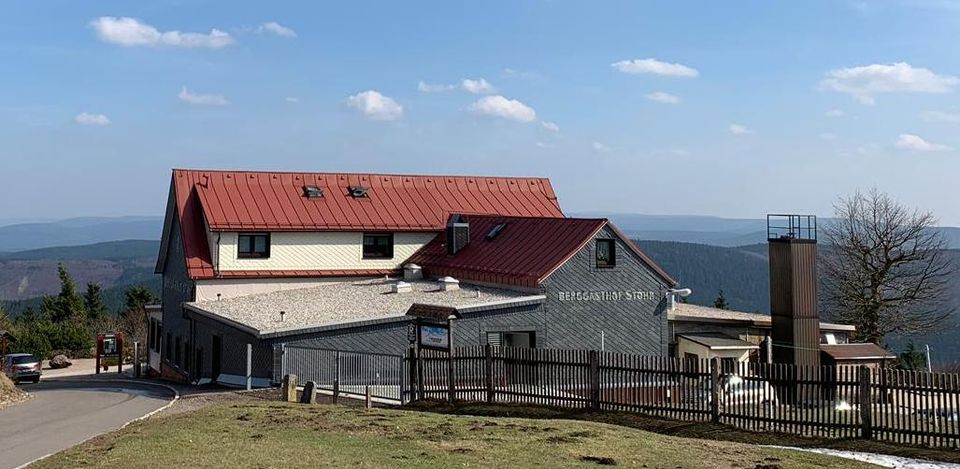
525, 252
274, 201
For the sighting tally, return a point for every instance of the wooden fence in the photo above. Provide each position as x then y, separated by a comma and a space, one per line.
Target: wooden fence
832, 402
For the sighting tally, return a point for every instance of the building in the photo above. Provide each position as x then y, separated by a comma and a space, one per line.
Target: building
264, 259
705, 332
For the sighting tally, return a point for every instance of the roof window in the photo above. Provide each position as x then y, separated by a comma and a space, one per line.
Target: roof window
357, 192
496, 230
312, 192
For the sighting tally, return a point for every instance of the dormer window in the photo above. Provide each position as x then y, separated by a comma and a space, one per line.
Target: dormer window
253, 245
312, 192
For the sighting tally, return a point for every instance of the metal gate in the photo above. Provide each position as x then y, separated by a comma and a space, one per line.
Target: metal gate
348, 373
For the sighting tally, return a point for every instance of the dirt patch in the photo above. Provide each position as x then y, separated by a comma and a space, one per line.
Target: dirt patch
601, 460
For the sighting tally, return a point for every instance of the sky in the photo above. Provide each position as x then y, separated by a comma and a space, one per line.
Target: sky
732, 109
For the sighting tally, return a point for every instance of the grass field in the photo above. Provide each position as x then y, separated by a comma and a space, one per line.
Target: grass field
274, 434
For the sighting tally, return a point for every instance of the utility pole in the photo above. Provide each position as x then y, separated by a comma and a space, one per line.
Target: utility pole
929, 365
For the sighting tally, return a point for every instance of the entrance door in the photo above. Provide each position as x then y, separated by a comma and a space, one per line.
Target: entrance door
215, 358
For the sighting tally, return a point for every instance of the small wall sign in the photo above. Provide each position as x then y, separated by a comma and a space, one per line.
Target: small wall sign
607, 295
435, 336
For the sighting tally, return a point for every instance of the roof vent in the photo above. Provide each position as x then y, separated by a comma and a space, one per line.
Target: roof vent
401, 287
496, 230
449, 284
412, 272
357, 192
312, 192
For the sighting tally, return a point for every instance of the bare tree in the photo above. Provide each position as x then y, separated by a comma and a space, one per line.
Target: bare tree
885, 267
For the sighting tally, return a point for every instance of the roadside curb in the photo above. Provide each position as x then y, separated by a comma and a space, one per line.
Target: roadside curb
176, 397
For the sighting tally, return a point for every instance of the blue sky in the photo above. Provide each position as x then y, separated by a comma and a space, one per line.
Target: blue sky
732, 109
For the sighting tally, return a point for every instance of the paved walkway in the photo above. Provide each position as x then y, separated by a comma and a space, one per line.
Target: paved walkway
65, 412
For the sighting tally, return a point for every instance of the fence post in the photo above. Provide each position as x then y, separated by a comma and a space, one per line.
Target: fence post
368, 397
412, 356
249, 367
451, 385
336, 379
866, 418
488, 370
715, 390
594, 379
283, 360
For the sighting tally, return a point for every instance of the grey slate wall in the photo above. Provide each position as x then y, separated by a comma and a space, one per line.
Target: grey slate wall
628, 324
392, 337
177, 289
233, 355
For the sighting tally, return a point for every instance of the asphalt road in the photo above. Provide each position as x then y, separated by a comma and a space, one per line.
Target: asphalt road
65, 412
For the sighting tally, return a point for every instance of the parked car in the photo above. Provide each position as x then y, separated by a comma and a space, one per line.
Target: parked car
21, 367
735, 389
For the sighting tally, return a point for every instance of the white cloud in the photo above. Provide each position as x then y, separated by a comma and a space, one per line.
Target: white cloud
498, 106
551, 126
131, 32
834, 113
424, 87
738, 129
915, 143
656, 67
276, 28
599, 147
480, 86
292, 99
86, 118
828, 136
376, 106
662, 97
202, 99
544, 145
939, 116
863, 83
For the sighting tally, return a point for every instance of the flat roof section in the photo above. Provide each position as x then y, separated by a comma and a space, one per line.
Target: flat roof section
348, 303
719, 342
697, 313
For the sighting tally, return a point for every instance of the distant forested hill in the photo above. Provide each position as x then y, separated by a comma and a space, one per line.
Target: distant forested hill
27, 275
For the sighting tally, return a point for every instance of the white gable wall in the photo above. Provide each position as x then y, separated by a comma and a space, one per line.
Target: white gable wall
329, 250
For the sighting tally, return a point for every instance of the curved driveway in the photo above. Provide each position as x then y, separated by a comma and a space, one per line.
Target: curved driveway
66, 412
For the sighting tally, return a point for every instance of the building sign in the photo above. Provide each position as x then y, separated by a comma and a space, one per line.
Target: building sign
434, 336
608, 295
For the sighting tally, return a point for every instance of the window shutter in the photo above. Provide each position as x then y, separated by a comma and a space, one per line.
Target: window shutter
494, 339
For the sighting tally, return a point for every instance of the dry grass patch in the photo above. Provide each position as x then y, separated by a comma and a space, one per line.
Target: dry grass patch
265, 434
10, 394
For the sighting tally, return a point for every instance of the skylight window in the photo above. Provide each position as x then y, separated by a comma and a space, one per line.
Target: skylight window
312, 192
357, 192
495, 230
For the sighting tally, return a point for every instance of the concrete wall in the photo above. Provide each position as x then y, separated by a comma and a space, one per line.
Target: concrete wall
317, 251
626, 303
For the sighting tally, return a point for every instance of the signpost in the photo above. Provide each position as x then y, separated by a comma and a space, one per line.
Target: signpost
109, 346
434, 331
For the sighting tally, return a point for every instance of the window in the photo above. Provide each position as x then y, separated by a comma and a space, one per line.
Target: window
511, 339
495, 230
312, 192
378, 245
606, 253
177, 353
253, 245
